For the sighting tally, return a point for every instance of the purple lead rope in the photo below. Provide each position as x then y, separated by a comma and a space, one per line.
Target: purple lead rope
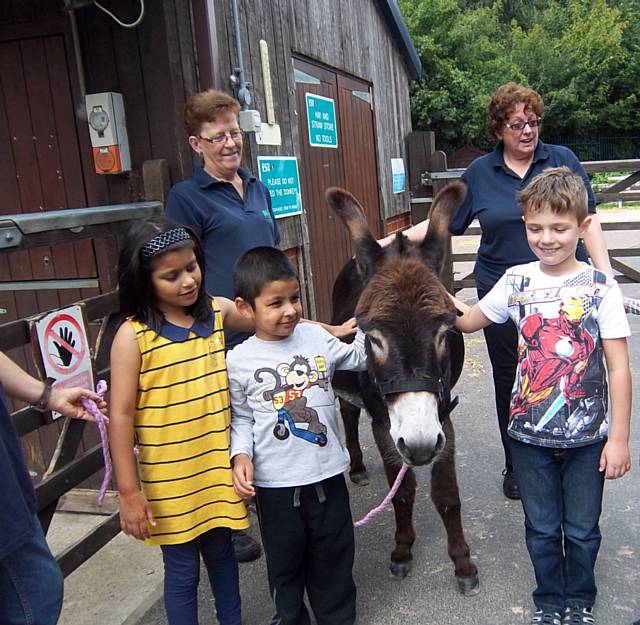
101, 420
385, 502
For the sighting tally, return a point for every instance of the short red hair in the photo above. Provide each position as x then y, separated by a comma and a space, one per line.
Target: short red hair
504, 101
205, 106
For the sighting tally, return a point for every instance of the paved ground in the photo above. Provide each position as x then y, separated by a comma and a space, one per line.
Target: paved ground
122, 584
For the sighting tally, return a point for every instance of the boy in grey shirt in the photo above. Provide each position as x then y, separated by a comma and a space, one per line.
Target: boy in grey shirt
285, 442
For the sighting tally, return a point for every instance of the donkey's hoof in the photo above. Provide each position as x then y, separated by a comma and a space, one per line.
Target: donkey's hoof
361, 478
400, 569
469, 585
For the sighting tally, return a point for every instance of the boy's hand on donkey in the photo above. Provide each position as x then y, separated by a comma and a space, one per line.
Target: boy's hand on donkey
136, 515
614, 459
243, 476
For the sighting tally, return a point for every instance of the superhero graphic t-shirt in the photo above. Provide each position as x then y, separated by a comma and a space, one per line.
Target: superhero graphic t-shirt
560, 395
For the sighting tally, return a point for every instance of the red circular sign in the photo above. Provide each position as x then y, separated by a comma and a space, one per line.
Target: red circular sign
77, 354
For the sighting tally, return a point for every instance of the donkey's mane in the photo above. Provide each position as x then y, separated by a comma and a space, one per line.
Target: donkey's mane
403, 285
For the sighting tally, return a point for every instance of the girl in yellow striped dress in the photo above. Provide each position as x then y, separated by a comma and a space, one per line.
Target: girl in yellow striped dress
169, 396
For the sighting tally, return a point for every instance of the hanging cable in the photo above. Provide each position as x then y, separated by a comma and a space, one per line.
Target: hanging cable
110, 14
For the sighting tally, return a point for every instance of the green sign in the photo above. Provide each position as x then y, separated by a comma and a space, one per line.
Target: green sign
321, 119
280, 175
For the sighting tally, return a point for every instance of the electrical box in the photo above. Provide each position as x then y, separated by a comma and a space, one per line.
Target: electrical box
108, 132
249, 121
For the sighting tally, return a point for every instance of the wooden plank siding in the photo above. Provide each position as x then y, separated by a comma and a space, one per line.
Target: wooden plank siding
348, 35
351, 41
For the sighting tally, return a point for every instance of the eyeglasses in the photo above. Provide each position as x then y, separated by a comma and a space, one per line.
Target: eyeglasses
235, 135
518, 126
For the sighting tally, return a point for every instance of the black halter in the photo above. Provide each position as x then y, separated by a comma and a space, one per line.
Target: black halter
420, 381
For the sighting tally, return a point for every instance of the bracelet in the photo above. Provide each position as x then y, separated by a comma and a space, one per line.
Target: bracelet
43, 401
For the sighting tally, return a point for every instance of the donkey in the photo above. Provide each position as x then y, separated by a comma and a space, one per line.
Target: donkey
415, 357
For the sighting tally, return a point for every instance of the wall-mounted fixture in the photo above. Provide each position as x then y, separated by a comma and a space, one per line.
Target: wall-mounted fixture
108, 132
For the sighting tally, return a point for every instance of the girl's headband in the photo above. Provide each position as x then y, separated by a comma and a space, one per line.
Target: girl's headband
162, 241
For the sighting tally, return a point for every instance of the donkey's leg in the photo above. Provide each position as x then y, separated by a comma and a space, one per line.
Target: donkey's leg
401, 556
446, 498
351, 417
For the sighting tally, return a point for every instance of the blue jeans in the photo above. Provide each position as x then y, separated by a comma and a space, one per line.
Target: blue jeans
561, 492
31, 583
182, 576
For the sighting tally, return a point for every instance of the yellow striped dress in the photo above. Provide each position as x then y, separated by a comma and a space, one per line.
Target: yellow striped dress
182, 427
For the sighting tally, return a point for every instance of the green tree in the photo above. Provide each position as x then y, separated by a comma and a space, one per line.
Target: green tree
571, 56
461, 52
582, 56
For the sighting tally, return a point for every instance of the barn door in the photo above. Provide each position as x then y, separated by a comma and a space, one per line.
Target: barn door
40, 170
351, 165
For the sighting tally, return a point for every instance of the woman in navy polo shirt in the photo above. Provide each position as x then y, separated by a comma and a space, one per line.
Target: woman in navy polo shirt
514, 117
227, 207
223, 203
230, 211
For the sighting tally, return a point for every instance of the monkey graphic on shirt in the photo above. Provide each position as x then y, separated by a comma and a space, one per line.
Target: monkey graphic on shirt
290, 381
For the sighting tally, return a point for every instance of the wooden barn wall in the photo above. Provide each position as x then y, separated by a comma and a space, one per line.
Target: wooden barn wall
348, 35
153, 66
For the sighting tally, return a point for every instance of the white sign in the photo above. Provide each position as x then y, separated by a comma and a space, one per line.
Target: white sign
397, 170
64, 348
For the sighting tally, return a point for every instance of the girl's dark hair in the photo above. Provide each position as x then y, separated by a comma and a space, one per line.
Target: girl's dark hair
137, 297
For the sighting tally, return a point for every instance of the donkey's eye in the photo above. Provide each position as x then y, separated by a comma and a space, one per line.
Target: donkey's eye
378, 345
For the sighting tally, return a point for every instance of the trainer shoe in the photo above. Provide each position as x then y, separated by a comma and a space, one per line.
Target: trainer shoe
247, 549
546, 618
509, 484
578, 616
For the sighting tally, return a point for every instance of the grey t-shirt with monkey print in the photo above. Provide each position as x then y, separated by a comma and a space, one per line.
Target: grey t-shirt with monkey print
283, 412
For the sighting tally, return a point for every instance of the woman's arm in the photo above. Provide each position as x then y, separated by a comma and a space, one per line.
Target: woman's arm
342, 331
615, 455
415, 234
20, 385
135, 513
597, 246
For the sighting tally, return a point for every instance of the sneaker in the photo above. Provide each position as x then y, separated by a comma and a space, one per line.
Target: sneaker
577, 616
509, 484
546, 618
247, 549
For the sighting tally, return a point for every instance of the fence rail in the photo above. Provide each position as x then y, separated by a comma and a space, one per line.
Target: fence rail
67, 469
439, 175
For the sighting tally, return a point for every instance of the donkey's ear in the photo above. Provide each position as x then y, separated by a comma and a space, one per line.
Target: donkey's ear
369, 253
433, 248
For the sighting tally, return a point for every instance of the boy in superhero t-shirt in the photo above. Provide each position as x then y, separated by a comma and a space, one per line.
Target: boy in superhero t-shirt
571, 322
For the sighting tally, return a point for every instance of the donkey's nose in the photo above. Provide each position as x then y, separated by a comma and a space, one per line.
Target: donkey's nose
403, 449
440, 443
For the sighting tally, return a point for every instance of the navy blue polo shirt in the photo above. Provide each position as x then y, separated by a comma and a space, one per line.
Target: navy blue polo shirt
227, 224
491, 198
18, 500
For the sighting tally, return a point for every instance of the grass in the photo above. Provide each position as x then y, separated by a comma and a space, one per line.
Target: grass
614, 206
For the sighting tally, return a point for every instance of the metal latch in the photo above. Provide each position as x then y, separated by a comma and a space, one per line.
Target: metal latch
10, 236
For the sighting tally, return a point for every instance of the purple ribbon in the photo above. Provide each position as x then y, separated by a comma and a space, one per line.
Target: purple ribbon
385, 502
102, 420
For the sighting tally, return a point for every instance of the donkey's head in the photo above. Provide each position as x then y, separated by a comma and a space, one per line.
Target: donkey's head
407, 315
